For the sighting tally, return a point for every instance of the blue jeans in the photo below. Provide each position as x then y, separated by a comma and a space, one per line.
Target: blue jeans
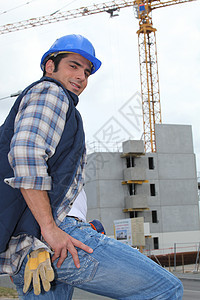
114, 270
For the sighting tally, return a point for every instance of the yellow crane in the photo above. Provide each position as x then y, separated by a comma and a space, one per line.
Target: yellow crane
149, 78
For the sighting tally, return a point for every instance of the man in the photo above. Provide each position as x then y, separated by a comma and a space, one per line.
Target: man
44, 210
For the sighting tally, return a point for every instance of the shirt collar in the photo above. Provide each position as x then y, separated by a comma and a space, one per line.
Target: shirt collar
73, 96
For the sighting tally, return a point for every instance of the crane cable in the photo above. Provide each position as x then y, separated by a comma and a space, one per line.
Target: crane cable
11, 96
16, 7
6, 11
55, 12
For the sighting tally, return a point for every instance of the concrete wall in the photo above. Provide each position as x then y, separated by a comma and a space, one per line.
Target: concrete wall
134, 173
136, 201
105, 193
133, 146
173, 138
173, 166
175, 178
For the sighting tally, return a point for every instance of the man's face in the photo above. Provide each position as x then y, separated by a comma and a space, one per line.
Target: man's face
73, 72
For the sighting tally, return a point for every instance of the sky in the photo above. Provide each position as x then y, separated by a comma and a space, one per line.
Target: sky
111, 104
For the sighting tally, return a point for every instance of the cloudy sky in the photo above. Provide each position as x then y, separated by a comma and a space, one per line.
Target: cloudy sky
115, 88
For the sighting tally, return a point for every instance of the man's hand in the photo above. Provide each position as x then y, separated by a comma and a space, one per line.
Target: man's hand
38, 267
61, 243
57, 239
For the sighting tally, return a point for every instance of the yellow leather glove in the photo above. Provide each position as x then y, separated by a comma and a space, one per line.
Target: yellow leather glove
38, 267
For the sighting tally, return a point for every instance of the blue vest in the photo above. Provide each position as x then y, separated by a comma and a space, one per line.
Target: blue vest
15, 216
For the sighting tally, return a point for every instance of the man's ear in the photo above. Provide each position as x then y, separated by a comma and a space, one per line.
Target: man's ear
49, 67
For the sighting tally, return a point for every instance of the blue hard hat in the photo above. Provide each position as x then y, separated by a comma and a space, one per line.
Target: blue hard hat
73, 43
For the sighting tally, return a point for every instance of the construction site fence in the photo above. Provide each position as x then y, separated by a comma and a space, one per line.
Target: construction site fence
100, 146
180, 255
176, 248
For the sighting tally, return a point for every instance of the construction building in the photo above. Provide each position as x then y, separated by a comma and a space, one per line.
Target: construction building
161, 187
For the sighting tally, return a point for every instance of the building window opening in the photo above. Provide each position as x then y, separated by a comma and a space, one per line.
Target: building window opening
130, 163
133, 214
155, 243
151, 163
152, 189
154, 216
132, 189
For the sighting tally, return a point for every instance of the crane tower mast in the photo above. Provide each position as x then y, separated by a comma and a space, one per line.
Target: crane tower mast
148, 76
147, 51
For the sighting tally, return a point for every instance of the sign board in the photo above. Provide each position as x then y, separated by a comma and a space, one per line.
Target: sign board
130, 231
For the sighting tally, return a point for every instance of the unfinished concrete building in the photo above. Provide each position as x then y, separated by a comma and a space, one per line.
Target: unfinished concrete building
161, 187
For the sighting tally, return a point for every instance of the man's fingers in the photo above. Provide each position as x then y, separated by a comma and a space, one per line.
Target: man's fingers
82, 246
63, 255
55, 256
74, 252
70, 245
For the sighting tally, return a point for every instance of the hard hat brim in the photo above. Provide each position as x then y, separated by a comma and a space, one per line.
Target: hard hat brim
96, 63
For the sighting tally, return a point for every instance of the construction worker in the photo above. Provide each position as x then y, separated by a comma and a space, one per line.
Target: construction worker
46, 245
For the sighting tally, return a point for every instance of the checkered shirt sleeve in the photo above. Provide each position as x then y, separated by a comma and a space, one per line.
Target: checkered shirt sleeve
38, 128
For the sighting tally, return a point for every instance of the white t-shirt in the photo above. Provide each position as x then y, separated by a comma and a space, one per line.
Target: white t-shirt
79, 207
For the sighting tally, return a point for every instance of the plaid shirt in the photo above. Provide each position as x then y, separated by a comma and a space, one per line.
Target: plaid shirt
41, 120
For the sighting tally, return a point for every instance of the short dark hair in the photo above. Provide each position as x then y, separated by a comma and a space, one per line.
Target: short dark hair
56, 59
